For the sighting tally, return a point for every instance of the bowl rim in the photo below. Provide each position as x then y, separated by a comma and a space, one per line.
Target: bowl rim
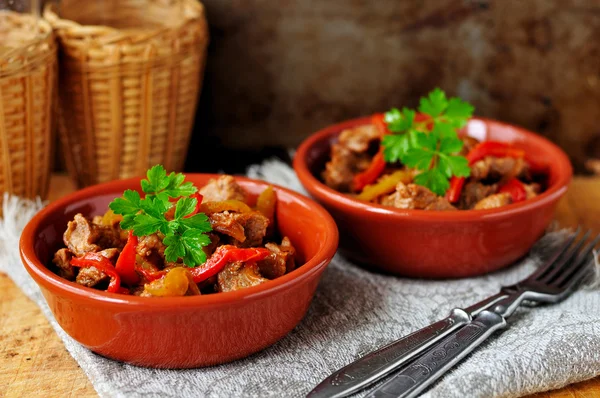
337, 199
42, 275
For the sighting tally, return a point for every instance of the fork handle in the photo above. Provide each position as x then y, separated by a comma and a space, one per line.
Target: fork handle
377, 364
424, 371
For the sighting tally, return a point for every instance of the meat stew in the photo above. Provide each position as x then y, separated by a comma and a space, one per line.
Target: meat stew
500, 174
178, 241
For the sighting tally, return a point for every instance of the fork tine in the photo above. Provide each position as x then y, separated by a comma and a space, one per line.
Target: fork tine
573, 274
548, 264
560, 266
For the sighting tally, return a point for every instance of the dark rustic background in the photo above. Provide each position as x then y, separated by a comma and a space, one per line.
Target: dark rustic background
279, 70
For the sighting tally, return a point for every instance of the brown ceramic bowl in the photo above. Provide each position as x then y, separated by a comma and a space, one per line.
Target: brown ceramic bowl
433, 244
181, 332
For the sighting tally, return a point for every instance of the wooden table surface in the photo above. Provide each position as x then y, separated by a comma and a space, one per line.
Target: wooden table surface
34, 361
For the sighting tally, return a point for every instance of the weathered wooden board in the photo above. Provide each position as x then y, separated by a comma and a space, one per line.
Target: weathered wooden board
278, 71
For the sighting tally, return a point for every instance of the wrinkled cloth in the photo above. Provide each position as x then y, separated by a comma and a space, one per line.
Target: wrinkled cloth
355, 311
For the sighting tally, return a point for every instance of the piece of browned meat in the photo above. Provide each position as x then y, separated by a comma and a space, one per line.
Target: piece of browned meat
152, 250
469, 143
498, 168
494, 201
92, 276
226, 223
349, 156
417, 197
473, 192
280, 261
112, 254
214, 243
223, 188
149, 244
359, 139
255, 228
83, 236
245, 229
236, 276
532, 190
62, 260
342, 167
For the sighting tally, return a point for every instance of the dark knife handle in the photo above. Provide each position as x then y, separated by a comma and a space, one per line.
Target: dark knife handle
424, 371
377, 364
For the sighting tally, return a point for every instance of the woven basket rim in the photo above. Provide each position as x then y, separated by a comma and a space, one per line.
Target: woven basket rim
50, 14
45, 34
30, 54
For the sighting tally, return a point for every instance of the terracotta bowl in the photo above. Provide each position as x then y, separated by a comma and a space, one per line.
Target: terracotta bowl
181, 332
431, 244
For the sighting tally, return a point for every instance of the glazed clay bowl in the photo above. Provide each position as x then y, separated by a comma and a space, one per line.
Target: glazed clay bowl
181, 332
432, 244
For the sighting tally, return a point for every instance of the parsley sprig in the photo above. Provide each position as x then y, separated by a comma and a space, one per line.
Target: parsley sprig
431, 145
184, 235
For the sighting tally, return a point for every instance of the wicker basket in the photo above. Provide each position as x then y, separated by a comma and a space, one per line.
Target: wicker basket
27, 89
130, 77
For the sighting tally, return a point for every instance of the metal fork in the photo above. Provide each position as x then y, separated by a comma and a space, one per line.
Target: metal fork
550, 284
382, 362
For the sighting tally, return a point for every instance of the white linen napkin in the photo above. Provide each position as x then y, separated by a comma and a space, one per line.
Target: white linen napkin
354, 312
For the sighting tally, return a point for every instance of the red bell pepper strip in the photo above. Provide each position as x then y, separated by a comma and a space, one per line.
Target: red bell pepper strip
456, 186
150, 275
494, 148
480, 151
371, 173
224, 255
422, 117
378, 120
126, 262
103, 264
377, 163
199, 198
515, 188
148, 270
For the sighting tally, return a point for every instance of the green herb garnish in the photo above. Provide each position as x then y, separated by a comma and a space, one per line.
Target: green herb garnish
184, 235
430, 146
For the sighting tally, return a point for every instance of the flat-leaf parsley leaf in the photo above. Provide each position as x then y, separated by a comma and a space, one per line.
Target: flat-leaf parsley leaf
430, 145
184, 235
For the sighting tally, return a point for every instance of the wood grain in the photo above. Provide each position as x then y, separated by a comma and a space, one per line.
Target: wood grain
33, 359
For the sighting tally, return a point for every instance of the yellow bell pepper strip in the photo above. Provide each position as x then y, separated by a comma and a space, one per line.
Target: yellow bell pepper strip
226, 205
103, 264
110, 218
224, 255
386, 184
173, 283
265, 203
126, 262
